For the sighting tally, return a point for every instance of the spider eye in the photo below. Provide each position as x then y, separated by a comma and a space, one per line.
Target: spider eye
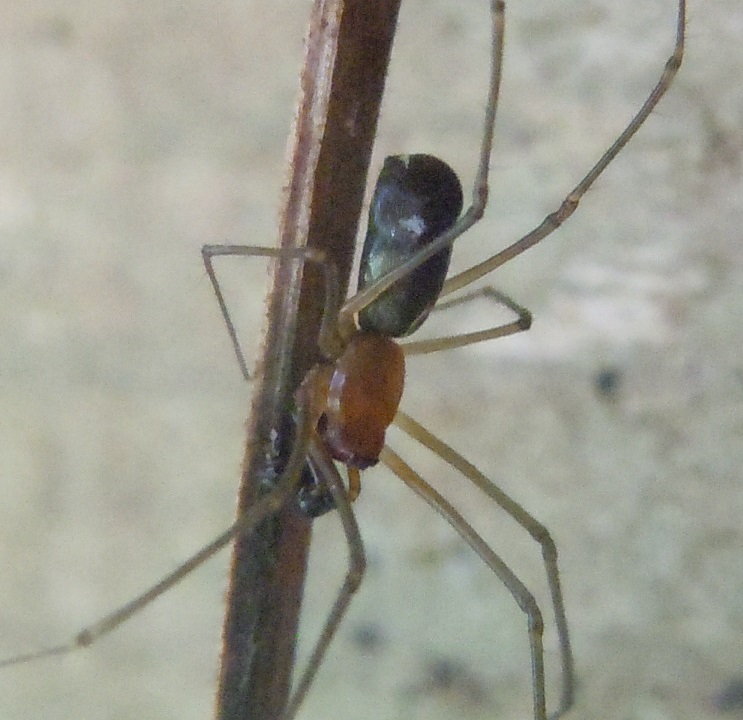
416, 199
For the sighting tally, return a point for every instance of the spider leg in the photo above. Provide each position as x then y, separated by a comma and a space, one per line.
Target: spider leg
327, 336
568, 206
284, 487
521, 324
518, 590
529, 523
356, 567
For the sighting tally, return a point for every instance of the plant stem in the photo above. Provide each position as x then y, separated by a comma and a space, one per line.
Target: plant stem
348, 49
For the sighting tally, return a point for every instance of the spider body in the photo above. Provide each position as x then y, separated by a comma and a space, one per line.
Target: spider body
360, 394
416, 198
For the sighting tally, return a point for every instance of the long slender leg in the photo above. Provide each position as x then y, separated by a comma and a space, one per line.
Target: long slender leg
551, 221
356, 567
485, 291
522, 323
479, 190
568, 206
518, 590
326, 338
245, 524
529, 523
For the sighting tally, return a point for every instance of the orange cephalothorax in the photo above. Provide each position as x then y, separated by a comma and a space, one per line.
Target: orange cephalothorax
363, 394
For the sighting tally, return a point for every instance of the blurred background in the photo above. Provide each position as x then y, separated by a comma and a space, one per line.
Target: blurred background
133, 133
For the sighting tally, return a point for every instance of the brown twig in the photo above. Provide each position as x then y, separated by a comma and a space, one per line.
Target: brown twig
348, 49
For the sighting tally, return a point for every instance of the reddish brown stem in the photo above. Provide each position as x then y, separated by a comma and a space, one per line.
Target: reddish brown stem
348, 49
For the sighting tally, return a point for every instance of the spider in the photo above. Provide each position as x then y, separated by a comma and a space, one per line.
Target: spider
346, 401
